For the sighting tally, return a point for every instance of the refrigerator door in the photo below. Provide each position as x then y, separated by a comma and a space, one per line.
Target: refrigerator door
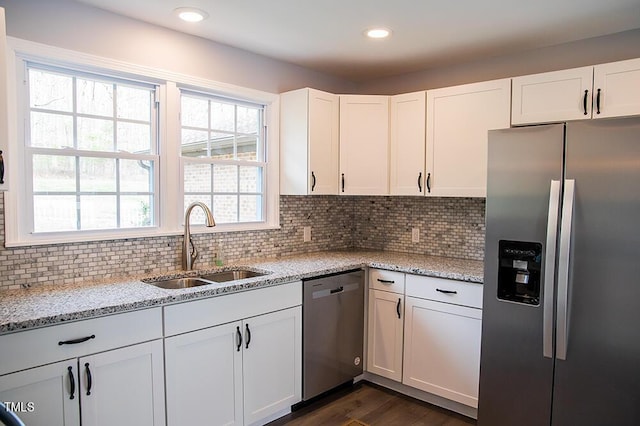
515, 376
599, 381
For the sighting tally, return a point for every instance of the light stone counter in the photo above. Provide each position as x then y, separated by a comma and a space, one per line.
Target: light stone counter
51, 304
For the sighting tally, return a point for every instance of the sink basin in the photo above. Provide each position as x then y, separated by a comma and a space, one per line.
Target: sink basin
205, 279
224, 276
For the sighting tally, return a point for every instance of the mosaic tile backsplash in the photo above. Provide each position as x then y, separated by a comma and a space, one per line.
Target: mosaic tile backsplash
452, 227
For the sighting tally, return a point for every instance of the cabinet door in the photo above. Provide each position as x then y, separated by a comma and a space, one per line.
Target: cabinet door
123, 386
442, 349
272, 364
4, 133
552, 96
364, 145
616, 88
458, 119
407, 144
323, 143
386, 324
204, 376
48, 394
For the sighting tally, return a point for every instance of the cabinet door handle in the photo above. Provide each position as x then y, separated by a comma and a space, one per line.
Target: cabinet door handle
239, 339
342, 182
446, 291
248, 336
385, 281
398, 308
429, 183
72, 383
420, 182
76, 341
89, 379
597, 104
584, 101
1, 168
313, 181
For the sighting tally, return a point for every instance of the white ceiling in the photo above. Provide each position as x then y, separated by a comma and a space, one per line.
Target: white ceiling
326, 35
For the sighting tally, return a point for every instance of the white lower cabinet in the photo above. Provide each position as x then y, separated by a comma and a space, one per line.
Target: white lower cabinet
121, 386
386, 326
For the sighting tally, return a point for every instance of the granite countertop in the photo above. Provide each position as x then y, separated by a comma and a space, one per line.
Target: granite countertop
52, 304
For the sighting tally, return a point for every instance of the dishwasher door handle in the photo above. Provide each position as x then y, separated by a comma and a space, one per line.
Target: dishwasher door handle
337, 290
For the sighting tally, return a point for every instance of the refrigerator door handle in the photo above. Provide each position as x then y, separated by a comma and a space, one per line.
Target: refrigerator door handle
562, 313
549, 269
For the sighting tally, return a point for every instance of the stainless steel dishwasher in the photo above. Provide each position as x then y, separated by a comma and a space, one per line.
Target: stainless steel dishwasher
333, 328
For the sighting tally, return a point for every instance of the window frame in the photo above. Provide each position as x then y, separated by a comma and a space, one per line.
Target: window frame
169, 201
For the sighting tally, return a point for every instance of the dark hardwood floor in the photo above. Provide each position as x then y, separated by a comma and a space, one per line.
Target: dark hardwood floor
371, 405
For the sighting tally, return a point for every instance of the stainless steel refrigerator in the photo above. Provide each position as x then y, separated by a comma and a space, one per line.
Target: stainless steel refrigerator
561, 314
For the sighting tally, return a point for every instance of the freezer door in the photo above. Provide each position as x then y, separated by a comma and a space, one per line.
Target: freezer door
515, 376
599, 381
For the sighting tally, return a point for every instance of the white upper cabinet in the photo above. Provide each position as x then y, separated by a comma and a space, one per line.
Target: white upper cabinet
364, 145
616, 89
4, 134
553, 96
458, 119
407, 151
601, 91
309, 122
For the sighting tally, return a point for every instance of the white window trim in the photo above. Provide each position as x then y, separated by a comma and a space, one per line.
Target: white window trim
170, 219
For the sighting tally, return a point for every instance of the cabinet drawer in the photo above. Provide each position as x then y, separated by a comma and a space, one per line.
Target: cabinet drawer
26, 349
392, 281
443, 290
194, 315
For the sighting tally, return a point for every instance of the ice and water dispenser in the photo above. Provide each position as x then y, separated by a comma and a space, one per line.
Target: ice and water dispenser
520, 265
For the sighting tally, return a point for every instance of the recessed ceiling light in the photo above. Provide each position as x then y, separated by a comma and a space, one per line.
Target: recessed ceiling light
378, 33
190, 14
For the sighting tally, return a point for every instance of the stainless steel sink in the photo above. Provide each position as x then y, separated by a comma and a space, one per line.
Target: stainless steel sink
205, 279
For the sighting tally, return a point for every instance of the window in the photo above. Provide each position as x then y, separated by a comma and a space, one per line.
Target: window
91, 151
223, 160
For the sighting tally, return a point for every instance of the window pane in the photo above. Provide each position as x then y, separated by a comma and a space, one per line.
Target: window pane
225, 208
222, 116
248, 120
250, 179
94, 97
97, 175
194, 143
134, 103
51, 130
136, 176
54, 213
250, 208
98, 212
136, 211
197, 215
54, 173
50, 91
134, 138
197, 178
222, 146
95, 134
247, 147
194, 112
225, 178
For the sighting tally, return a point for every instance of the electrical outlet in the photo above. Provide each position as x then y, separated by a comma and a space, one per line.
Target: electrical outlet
415, 235
307, 234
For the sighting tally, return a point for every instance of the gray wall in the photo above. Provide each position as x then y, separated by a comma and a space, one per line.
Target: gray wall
597, 50
75, 26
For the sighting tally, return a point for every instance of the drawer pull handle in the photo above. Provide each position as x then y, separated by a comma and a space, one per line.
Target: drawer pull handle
386, 281
248, 336
89, 379
72, 383
446, 291
398, 308
75, 341
239, 334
